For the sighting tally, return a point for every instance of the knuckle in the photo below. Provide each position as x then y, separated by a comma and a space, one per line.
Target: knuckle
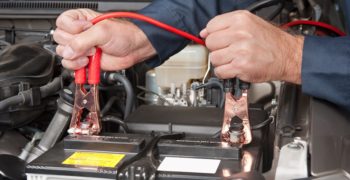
242, 14
211, 24
243, 34
61, 18
244, 53
242, 65
67, 64
215, 58
241, 17
102, 29
215, 23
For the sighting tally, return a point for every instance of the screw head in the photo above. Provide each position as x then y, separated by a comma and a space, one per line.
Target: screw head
84, 101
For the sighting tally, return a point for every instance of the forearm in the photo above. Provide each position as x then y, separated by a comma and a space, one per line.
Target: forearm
326, 69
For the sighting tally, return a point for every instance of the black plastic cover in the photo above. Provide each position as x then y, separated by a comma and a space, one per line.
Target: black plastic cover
23, 66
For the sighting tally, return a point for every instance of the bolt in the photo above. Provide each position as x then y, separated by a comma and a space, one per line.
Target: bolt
84, 101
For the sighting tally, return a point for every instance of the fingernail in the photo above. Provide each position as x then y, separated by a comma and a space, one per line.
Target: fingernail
68, 52
203, 33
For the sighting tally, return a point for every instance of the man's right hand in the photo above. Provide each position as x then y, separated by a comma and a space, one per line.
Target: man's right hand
123, 43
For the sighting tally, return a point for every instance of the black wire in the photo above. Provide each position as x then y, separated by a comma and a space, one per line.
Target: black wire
262, 4
263, 124
277, 11
152, 92
267, 3
117, 121
108, 105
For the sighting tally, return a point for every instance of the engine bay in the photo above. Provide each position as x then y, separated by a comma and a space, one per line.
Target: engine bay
165, 122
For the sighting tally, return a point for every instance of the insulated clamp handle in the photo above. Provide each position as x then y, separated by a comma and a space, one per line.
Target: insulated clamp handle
94, 70
95, 67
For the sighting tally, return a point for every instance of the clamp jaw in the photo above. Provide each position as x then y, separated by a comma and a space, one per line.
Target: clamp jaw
87, 100
236, 126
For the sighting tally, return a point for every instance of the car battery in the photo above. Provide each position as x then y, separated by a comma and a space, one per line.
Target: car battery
85, 157
99, 157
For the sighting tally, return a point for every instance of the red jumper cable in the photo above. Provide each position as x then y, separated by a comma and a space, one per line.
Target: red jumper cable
85, 100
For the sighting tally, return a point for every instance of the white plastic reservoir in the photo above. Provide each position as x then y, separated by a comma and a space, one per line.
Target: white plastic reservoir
190, 63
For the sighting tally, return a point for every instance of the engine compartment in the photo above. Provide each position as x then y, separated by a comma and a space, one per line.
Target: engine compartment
162, 123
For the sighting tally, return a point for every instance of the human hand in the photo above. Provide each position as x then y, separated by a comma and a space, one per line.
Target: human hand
123, 43
245, 46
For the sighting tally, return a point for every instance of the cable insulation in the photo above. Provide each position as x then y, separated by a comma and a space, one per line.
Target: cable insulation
149, 20
314, 23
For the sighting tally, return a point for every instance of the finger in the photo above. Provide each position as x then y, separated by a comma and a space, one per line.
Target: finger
223, 21
76, 63
226, 71
73, 21
204, 33
62, 37
224, 38
112, 63
59, 50
219, 39
217, 23
85, 41
222, 57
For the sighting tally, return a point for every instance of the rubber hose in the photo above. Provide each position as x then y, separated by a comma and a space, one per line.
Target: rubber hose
51, 88
11, 101
130, 96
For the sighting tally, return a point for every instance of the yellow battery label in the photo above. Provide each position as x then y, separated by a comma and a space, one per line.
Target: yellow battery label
94, 159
